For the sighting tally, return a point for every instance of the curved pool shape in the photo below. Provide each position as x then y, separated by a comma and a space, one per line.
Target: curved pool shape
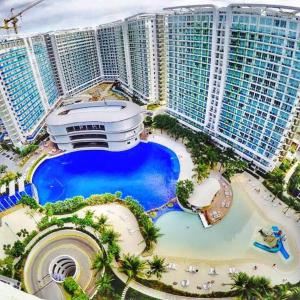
230, 240
147, 172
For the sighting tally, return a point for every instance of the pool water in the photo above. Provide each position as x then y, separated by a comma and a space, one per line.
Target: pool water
231, 239
147, 172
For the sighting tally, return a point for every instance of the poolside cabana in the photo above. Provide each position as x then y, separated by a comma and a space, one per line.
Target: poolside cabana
204, 193
12, 188
3, 189
21, 184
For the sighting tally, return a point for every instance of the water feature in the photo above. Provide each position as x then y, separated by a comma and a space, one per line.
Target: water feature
147, 172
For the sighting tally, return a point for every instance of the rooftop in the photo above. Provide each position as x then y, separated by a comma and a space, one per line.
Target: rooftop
102, 111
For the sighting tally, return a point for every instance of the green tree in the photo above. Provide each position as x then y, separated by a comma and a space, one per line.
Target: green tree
101, 223
133, 267
109, 236
201, 171
114, 249
3, 168
276, 176
17, 249
277, 189
29, 201
250, 287
101, 261
104, 284
151, 233
233, 166
211, 156
89, 218
184, 188
163, 122
6, 266
290, 202
157, 266
70, 285
148, 121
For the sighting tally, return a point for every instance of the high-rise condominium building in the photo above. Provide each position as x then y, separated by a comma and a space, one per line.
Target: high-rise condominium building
76, 59
141, 41
112, 55
27, 88
234, 73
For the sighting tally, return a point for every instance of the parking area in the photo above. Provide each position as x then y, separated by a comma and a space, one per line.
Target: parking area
9, 159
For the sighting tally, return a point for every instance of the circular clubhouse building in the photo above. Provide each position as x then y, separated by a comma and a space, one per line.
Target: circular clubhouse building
112, 124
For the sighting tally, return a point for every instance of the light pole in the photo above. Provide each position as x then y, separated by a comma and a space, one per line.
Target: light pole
10, 229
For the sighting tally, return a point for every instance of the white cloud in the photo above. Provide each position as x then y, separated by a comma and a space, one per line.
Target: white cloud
60, 14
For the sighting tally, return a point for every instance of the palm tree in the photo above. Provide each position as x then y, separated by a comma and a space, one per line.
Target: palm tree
101, 223
109, 236
151, 233
89, 218
290, 201
293, 294
133, 267
157, 266
114, 249
261, 283
276, 176
104, 285
101, 261
211, 156
250, 287
277, 189
202, 171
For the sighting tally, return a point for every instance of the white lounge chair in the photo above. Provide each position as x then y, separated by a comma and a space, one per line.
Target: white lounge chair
212, 271
131, 231
185, 283
205, 286
171, 266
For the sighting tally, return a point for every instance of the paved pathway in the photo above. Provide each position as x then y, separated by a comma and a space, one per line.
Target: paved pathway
288, 176
81, 247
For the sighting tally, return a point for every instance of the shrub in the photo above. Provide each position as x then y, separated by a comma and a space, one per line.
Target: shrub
29, 201
71, 285
66, 206
26, 150
6, 266
17, 249
74, 289
286, 165
184, 188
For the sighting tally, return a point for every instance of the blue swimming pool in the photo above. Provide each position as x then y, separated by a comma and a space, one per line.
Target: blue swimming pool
147, 172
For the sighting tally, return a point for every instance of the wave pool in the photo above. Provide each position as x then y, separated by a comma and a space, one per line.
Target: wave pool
147, 172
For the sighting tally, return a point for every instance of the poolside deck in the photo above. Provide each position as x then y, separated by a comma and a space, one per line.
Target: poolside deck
220, 204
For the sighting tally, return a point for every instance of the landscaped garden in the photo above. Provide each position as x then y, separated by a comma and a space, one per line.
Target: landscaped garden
205, 153
147, 271
286, 192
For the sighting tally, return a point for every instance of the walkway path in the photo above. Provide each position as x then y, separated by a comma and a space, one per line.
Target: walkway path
120, 217
288, 176
184, 157
81, 247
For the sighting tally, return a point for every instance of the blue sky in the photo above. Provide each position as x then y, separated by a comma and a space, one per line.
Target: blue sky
63, 14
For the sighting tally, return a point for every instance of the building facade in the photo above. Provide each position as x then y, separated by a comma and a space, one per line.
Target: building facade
142, 47
76, 59
108, 50
113, 125
27, 90
234, 73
